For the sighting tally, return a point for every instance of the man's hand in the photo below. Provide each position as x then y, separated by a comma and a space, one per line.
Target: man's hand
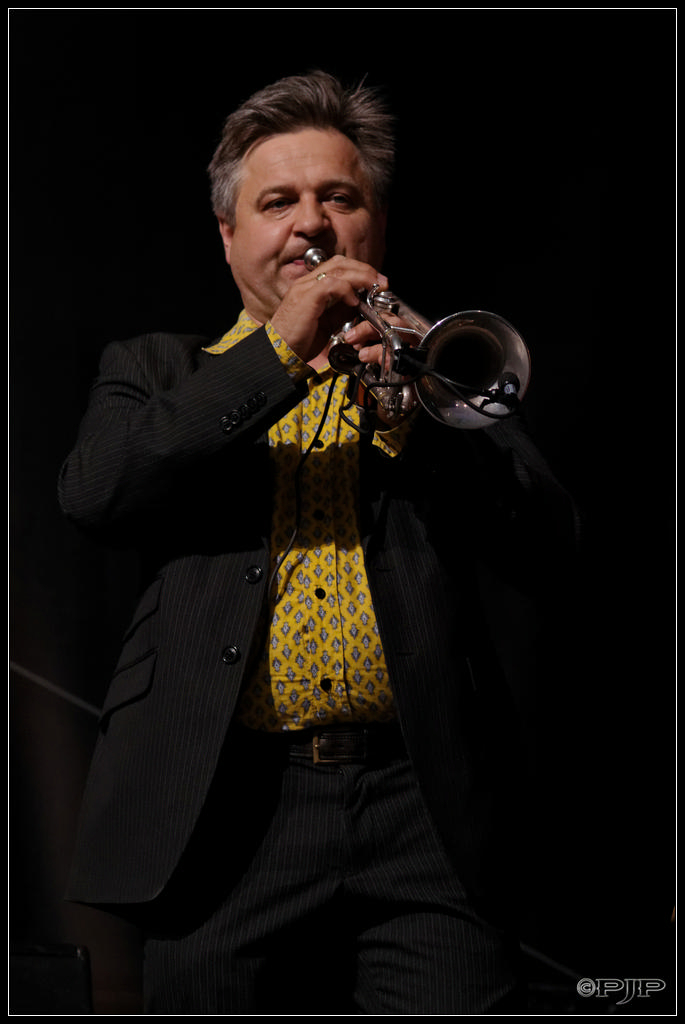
370, 350
318, 304
369, 347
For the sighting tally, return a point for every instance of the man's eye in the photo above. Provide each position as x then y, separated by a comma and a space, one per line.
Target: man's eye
277, 204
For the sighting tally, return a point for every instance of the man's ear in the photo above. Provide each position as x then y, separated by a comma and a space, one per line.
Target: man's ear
226, 232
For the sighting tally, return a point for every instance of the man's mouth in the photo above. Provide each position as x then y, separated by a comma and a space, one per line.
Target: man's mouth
297, 262
299, 257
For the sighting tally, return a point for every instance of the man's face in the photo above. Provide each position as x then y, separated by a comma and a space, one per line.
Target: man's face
301, 189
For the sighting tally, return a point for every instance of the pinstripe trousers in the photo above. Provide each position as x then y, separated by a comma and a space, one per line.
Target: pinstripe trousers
319, 889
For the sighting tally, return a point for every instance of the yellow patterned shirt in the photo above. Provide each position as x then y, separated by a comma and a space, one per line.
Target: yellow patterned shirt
323, 660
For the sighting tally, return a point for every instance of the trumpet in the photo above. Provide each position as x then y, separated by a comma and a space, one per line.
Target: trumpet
467, 370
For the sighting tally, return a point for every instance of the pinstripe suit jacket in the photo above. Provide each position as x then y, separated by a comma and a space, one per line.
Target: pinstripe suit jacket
172, 457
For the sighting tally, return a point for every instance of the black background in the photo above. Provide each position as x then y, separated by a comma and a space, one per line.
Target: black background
536, 179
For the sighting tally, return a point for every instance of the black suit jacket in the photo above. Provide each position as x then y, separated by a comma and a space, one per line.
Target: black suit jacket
172, 457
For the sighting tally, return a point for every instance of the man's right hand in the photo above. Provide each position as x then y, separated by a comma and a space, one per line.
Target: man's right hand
318, 304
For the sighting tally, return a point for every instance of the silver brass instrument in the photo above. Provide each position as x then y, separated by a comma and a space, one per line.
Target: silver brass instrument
468, 370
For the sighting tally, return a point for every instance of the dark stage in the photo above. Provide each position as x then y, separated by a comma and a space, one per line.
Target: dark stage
536, 179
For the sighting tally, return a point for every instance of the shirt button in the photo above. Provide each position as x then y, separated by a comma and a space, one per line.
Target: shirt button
326, 684
320, 593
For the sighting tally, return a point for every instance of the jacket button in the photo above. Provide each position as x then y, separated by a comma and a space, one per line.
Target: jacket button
227, 423
231, 655
254, 574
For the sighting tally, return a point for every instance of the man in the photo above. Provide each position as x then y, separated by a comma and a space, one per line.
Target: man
302, 789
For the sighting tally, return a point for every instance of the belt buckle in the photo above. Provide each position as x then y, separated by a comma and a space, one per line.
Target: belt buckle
351, 756
317, 756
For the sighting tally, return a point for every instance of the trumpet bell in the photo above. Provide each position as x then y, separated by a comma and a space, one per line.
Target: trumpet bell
478, 368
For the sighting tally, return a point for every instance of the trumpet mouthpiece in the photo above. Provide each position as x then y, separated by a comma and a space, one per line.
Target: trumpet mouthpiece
313, 257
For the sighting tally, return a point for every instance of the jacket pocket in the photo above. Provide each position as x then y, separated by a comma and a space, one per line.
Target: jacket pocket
129, 684
142, 634
147, 606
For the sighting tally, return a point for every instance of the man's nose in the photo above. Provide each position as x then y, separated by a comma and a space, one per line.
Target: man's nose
312, 217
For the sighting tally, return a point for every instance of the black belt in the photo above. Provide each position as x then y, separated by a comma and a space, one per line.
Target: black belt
348, 744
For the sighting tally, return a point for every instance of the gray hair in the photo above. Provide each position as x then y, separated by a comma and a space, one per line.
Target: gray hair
315, 100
